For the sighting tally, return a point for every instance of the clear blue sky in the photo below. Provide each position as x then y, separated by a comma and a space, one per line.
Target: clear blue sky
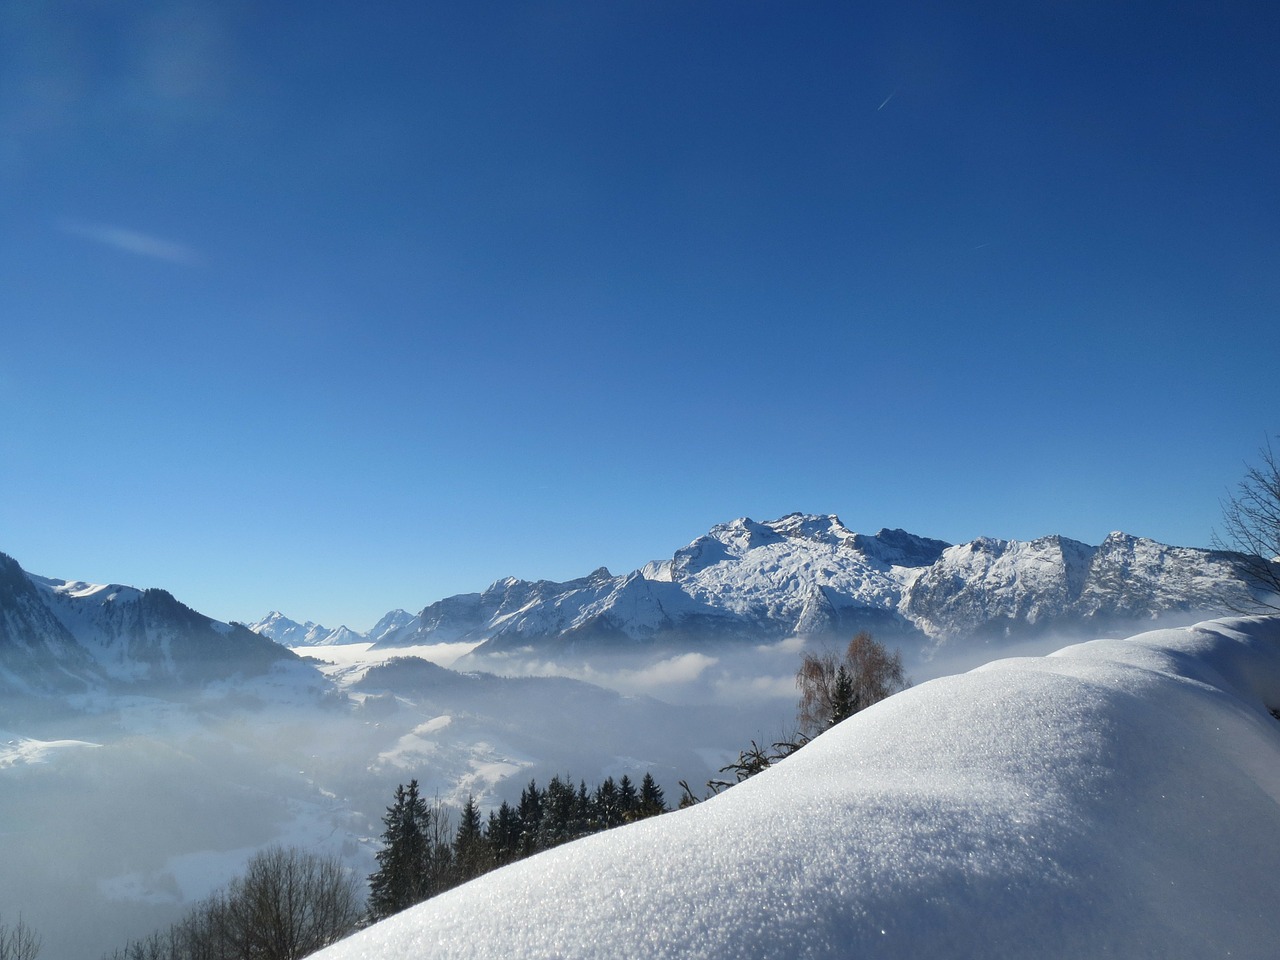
335, 308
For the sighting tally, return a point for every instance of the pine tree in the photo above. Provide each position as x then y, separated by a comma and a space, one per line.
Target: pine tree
628, 799
559, 814
404, 862
844, 702
652, 802
504, 834
607, 812
582, 815
530, 813
470, 850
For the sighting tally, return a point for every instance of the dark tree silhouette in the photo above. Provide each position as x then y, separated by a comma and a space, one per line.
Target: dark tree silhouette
404, 874
652, 802
472, 853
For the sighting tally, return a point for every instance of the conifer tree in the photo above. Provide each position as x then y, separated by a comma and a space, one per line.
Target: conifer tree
504, 833
403, 877
559, 814
470, 850
607, 812
582, 815
652, 802
530, 813
628, 799
844, 702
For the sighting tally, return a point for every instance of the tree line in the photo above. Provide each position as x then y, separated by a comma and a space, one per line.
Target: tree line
421, 856
290, 903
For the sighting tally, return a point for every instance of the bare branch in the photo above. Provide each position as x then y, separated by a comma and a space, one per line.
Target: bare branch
1251, 529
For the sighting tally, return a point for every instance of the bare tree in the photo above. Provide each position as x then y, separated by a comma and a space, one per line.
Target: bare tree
1251, 526
289, 904
833, 688
19, 942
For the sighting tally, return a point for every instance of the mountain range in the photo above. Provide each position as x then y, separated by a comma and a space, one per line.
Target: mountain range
810, 575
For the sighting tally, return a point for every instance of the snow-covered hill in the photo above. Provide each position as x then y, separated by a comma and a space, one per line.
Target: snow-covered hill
1118, 798
810, 575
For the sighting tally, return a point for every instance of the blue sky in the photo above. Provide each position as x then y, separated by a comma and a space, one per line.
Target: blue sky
334, 308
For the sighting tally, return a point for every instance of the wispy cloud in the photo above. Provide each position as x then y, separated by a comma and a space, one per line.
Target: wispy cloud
131, 241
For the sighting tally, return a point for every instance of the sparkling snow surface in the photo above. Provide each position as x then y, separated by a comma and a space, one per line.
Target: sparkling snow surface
1118, 798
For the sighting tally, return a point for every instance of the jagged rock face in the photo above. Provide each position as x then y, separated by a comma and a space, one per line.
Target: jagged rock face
59, 636
1133, 577
994, 581
1006, 588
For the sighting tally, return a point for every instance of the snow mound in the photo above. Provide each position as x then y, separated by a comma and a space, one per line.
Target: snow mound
1117, 798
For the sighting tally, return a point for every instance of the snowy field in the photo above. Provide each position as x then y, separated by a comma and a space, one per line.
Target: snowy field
1116, 798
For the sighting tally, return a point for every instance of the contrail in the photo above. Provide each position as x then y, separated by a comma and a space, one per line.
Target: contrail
886, 100
130, 241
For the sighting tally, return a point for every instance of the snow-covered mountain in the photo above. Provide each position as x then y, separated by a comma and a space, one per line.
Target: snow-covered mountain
67, 636
998, 588
290, 633
810, 575
1118, 798
389, 624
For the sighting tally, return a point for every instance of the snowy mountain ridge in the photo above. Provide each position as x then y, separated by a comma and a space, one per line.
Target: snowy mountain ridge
291, 633
68, 636
810, 575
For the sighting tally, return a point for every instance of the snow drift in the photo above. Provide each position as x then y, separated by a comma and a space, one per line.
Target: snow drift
1117, 798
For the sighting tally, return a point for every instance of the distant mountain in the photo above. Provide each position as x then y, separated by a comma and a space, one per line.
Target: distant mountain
389, 624
810, 575
66, 636
289, 633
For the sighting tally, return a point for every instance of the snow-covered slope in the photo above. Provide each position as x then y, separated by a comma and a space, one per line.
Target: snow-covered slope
1118, 798
812, 576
